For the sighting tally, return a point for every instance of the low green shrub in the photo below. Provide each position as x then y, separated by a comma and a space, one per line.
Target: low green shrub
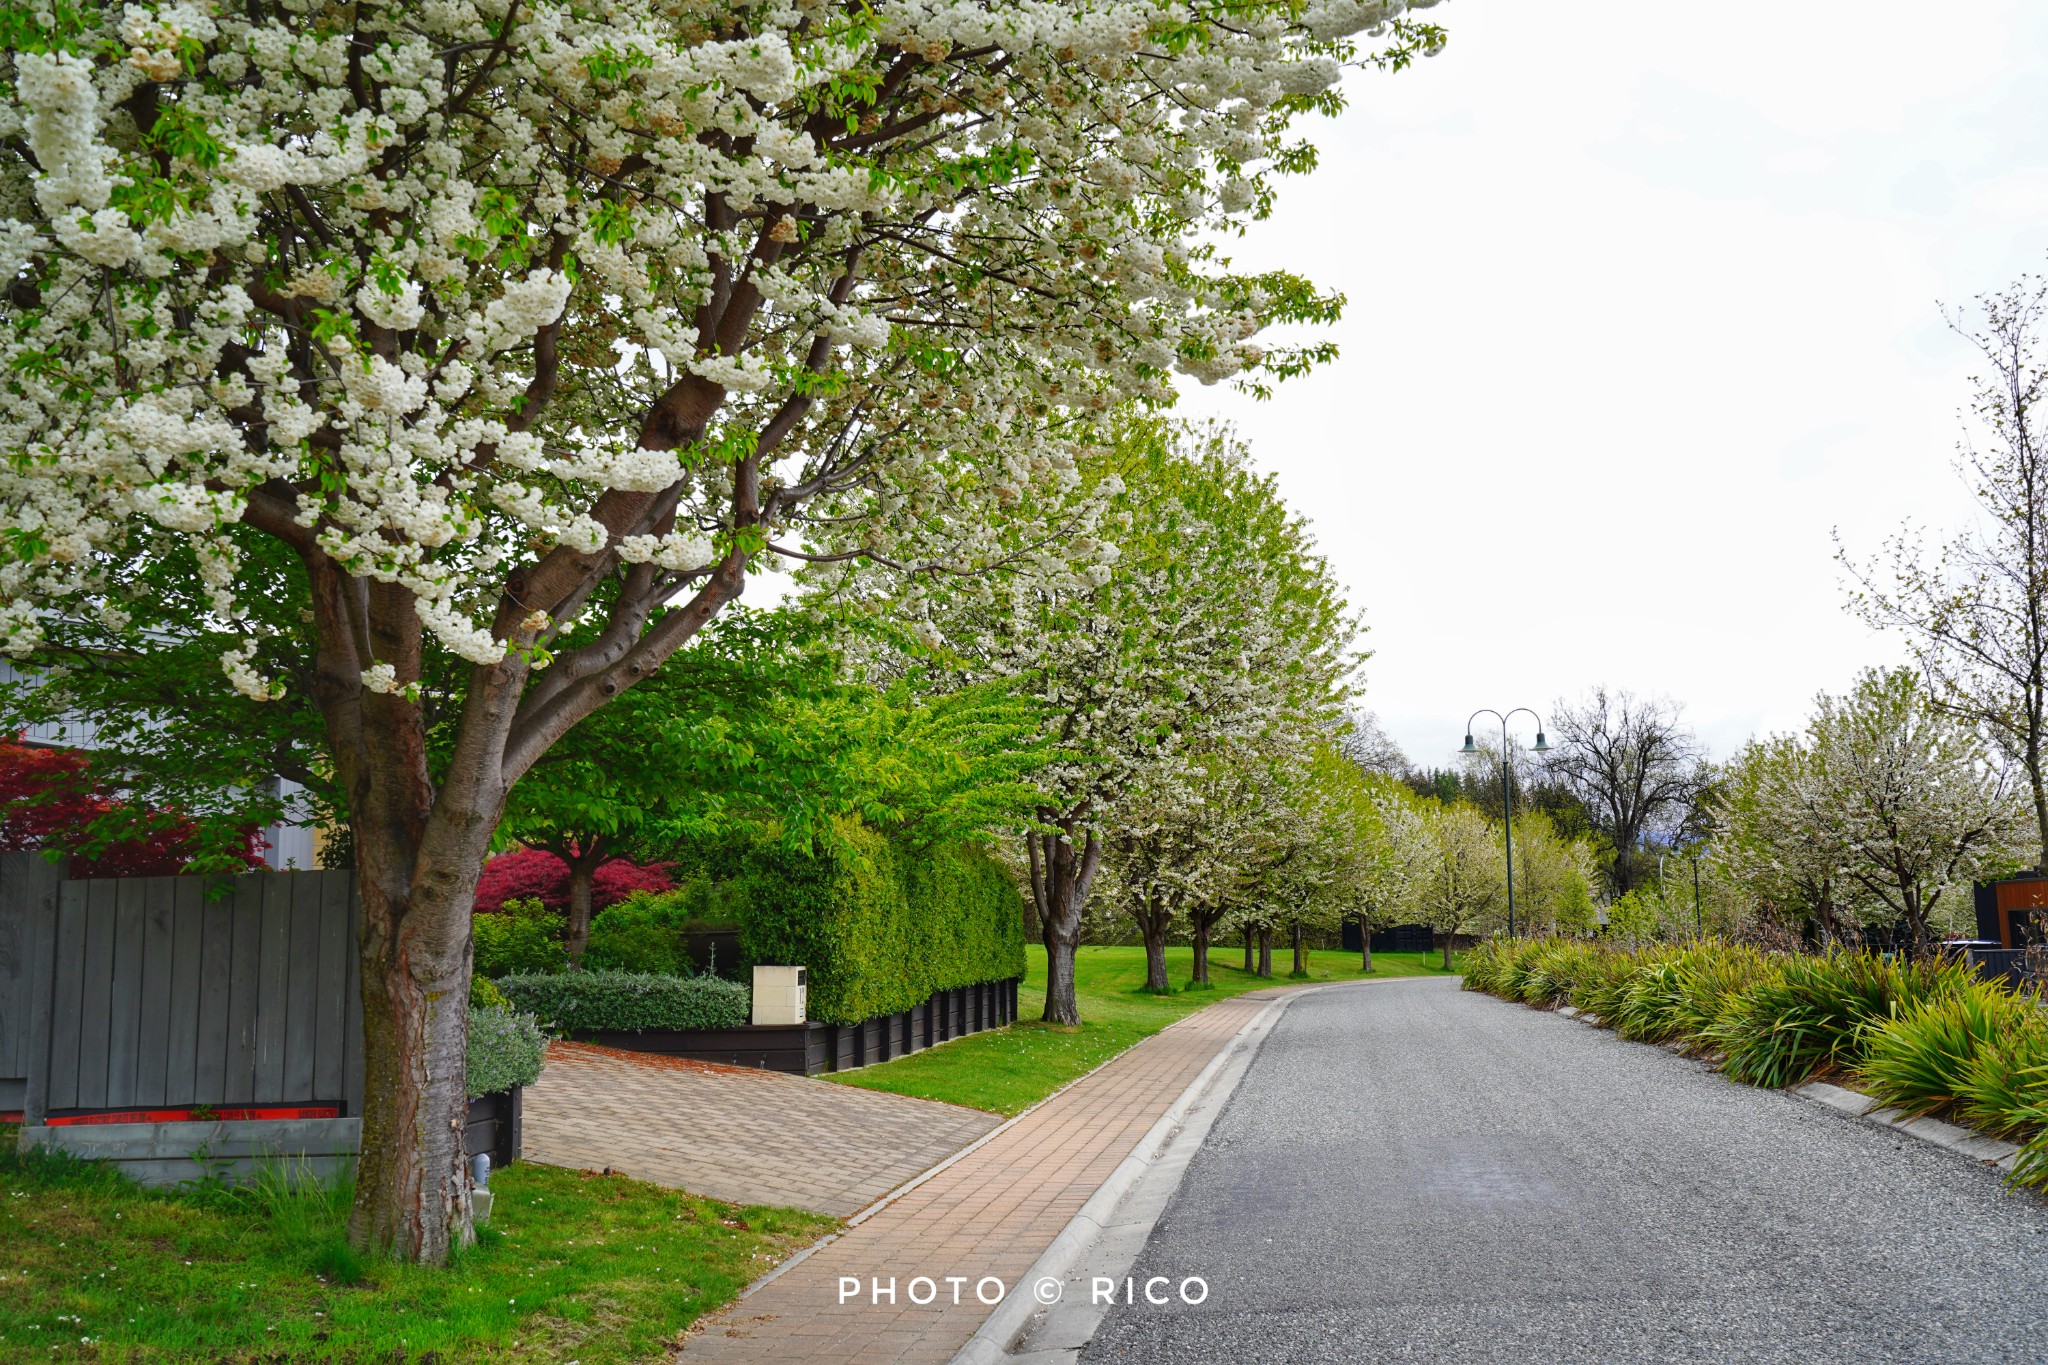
1920, 1059
647, 931
485, 995
505, 1049
643, 933
1921, 1036
524, 937
568, 1001
2030, 1171
1679, 995
1812, 1015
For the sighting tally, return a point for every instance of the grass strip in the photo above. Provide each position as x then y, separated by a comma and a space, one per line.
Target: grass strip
1009, 1069
575, 1265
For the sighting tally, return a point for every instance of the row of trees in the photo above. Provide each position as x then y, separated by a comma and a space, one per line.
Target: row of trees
430, 376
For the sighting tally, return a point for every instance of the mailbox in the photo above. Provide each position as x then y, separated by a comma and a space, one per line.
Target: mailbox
779, 995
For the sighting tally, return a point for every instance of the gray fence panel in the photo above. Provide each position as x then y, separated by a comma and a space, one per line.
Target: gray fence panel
302, 990
29, 888
124, 997
96, 994
244, 979
181, 1032
352, 1057
273, 977
147, 993
17, 934
333, 1010
67, 976
216, 965
152, 1049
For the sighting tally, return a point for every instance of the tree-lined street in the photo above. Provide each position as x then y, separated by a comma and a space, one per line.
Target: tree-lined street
1491, 1183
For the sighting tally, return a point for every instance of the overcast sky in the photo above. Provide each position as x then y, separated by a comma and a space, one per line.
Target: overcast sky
1643, 305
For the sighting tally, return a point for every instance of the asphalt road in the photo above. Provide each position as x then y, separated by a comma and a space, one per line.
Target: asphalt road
1413, 1172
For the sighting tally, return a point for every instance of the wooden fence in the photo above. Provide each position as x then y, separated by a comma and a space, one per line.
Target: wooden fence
149, 994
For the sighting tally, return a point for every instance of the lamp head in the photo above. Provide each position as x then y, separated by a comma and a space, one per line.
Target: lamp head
1470, 747
1542, 744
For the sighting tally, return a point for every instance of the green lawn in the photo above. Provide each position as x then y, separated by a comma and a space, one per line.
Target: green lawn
574, 1267
1010, 1069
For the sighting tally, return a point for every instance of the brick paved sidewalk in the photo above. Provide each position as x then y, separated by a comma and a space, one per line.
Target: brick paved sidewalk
990, 1213
747, 1136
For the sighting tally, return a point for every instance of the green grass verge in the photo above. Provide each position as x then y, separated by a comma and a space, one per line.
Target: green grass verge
573, 1266
1010, 1069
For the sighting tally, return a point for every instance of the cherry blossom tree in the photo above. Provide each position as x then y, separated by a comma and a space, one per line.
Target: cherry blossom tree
1900, 799
1975, 614
527, 328
1206, 621
1391, 862
1462, 886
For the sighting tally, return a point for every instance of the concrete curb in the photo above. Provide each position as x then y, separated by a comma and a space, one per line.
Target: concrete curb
991, 1341
1964, 1142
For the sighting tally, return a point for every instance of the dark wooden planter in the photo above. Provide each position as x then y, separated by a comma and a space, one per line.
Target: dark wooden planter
493, 1126
811, 1049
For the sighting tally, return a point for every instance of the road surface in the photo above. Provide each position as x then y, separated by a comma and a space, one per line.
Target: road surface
1414, 1172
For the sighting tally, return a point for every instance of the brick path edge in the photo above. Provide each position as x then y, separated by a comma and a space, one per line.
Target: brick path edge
992, 1208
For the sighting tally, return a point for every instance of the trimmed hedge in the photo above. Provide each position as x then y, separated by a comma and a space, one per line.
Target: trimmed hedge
505, 1049
567, 1001
881, 927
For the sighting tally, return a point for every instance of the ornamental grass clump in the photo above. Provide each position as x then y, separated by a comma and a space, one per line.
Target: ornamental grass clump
1920, 1060
1646, 1011
1710, 979
1553, 967
1603, 983
1486, 965
2004, 1088
1501, 966
1814, 1014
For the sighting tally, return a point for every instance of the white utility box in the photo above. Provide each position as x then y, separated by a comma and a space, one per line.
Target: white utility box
779, 995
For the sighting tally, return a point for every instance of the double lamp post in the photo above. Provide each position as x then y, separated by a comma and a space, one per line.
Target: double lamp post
1507, 799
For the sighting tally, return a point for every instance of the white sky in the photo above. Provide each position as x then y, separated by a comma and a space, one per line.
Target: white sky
1643, 302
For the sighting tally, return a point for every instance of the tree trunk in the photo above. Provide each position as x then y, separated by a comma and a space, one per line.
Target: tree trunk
1155, 958
1059, 887
1300, 950
1365, 941
1265, 950
417, 867
1199, 974
583, 864
412, 1189
1448, 936
1248, 964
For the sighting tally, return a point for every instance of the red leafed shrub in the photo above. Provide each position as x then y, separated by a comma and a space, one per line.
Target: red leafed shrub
534, 873
48, 799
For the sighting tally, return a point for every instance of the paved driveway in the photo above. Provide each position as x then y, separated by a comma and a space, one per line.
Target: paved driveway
750, 1137
1410, 1172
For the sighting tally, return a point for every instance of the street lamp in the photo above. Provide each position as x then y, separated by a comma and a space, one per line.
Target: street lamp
1507, 798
